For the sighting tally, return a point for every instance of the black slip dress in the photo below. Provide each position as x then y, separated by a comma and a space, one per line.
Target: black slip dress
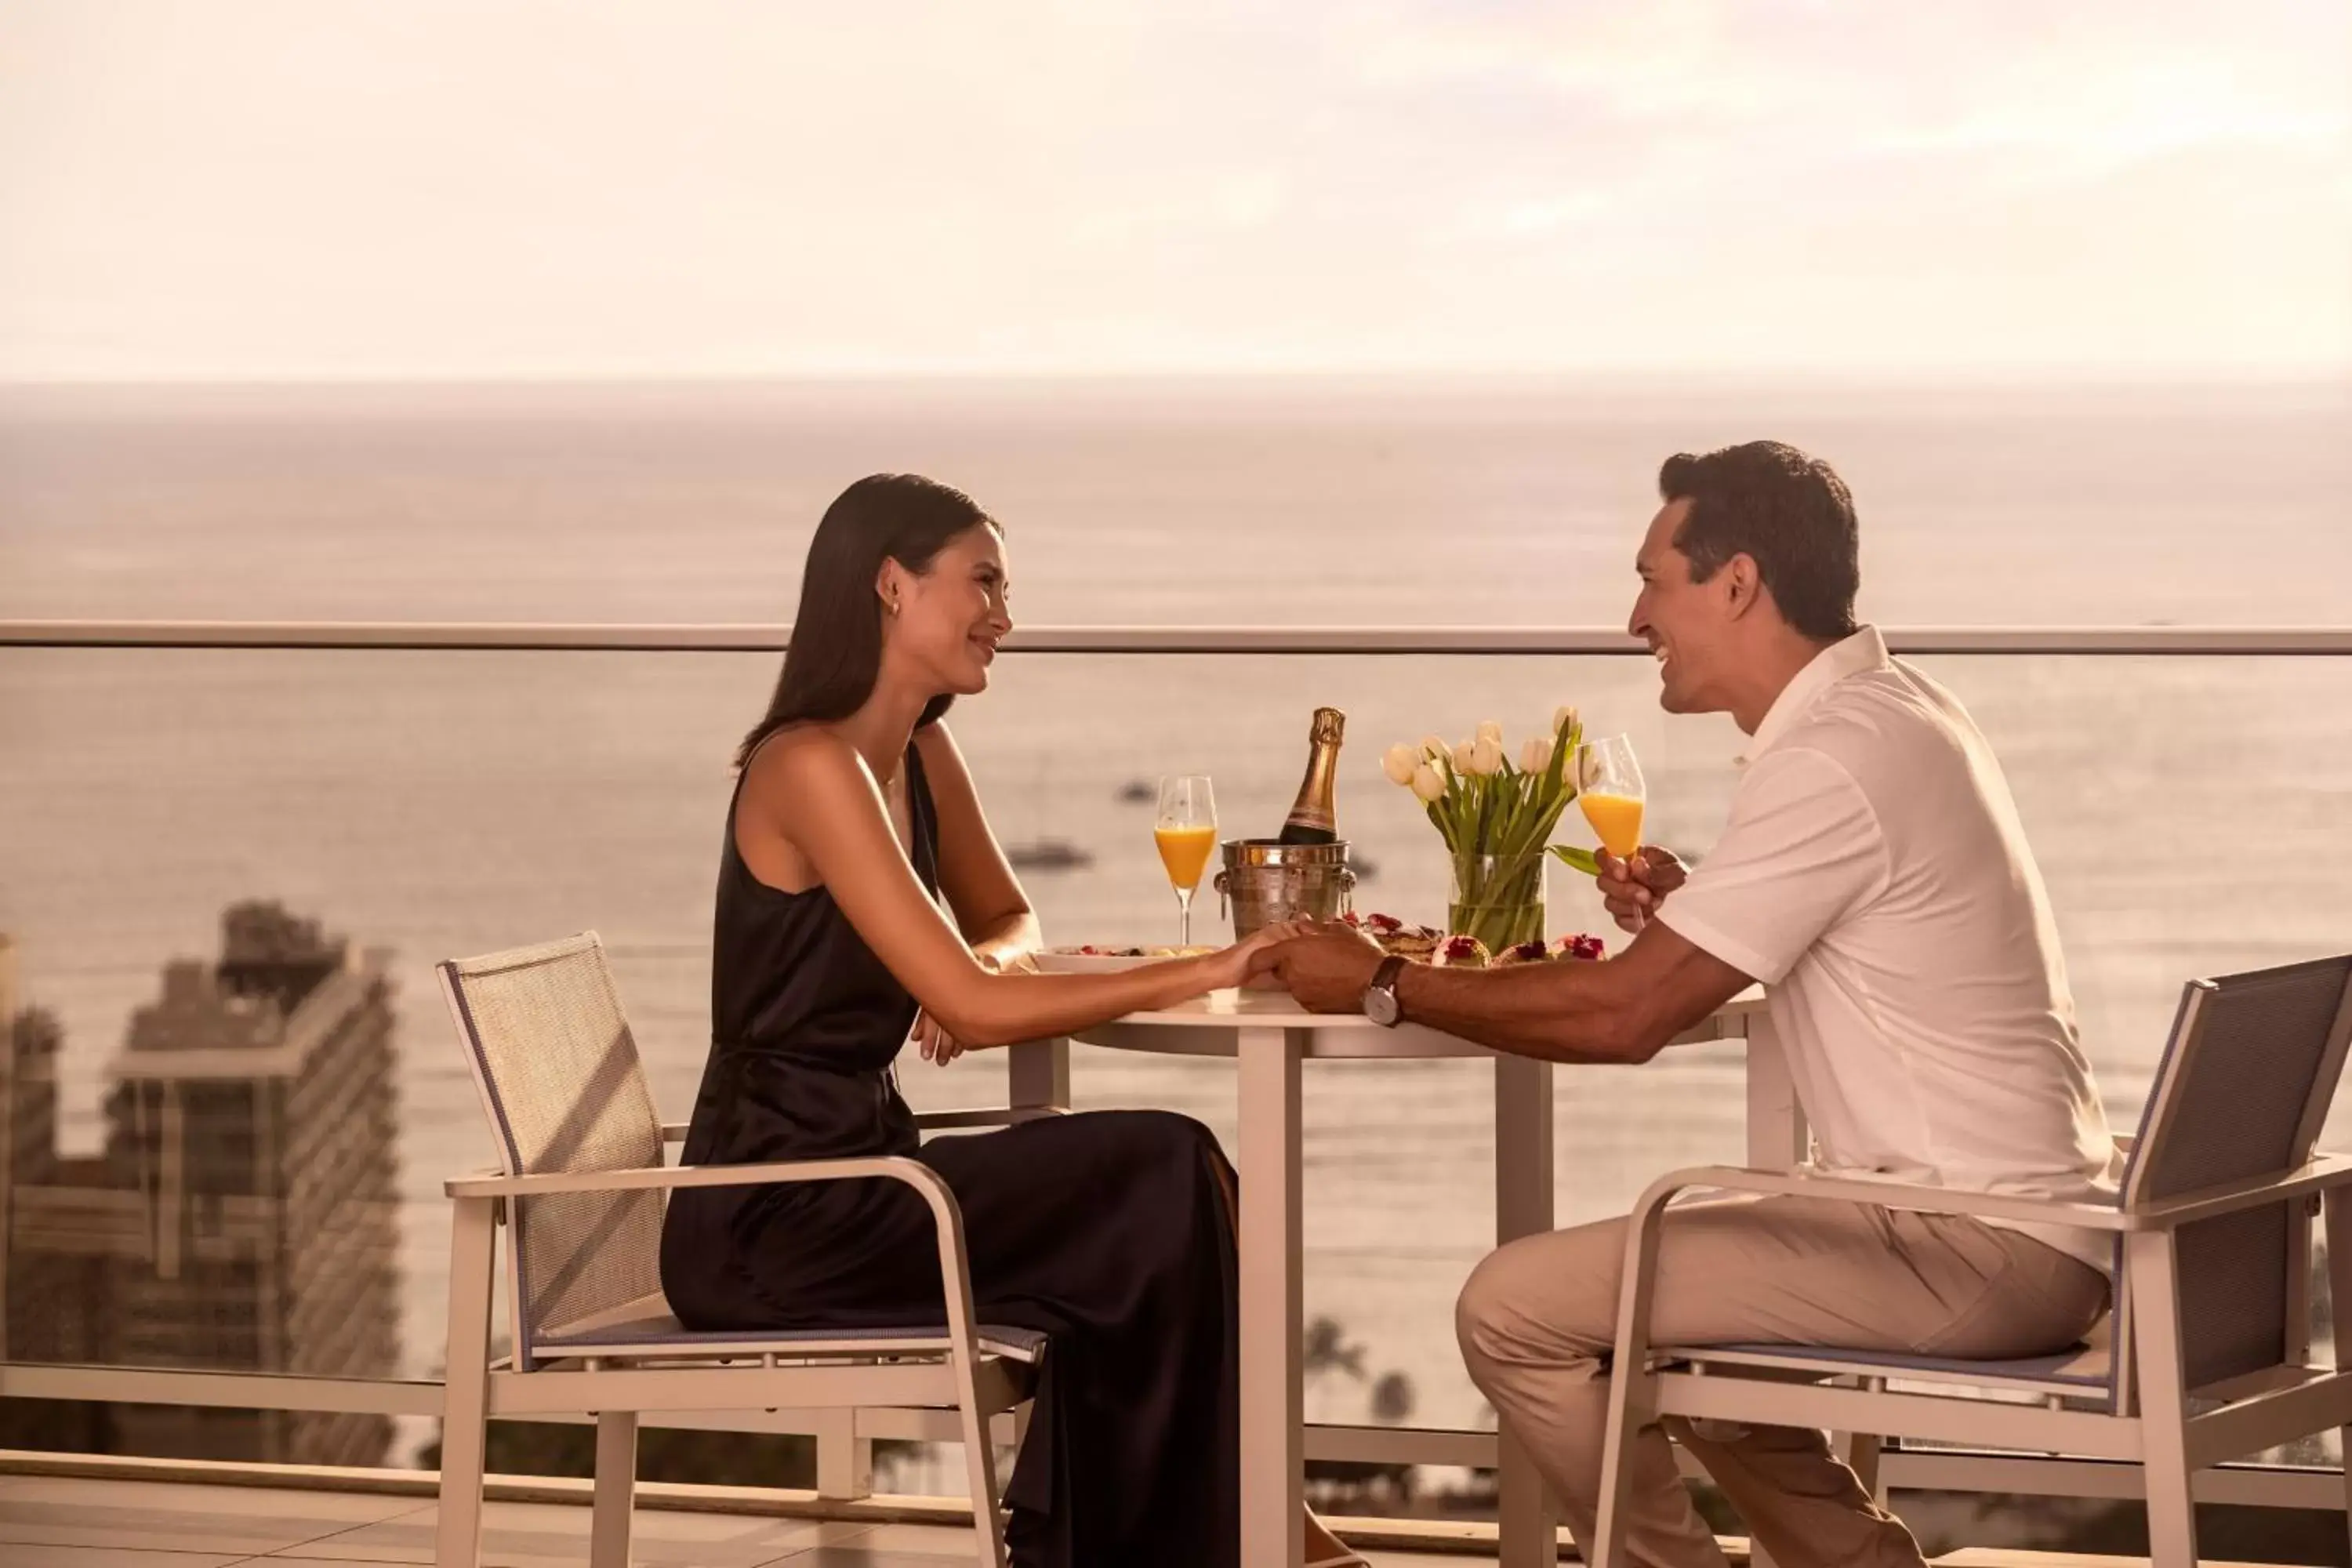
1107, 1230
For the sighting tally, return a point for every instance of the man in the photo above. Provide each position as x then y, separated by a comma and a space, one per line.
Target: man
1873, 878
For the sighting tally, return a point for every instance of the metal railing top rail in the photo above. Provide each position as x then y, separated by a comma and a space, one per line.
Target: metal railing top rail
722, 638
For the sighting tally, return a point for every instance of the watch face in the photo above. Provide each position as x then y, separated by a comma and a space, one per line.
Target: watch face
1380, 1005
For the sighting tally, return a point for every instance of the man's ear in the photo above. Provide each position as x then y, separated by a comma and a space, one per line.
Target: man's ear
1743, 584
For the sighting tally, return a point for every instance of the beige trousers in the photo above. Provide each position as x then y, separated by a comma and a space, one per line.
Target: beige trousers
1538, 1318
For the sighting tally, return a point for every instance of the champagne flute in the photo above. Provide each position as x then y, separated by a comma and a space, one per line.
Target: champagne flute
1609, 790
1185, 831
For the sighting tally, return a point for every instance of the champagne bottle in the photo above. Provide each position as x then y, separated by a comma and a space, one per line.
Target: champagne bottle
1311, 820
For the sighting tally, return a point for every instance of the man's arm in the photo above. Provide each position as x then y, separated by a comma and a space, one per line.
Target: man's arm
1623, 1010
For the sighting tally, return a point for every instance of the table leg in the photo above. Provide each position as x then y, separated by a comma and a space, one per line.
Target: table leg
1273, 1406
1037, 1073
1527, 1525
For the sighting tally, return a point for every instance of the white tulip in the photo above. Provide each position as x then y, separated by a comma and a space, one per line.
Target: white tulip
1490, 730
1535, 755
1435, 746
1561, 717
1428, 783
1460, 757
1486, 757
1399, 761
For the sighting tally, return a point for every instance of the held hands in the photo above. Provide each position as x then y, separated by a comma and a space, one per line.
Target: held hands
1326, 965
1634, 887
1253, 955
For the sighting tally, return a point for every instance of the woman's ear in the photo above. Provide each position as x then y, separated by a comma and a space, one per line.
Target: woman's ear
890, 587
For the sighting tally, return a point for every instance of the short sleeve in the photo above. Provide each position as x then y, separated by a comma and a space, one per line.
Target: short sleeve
1801, 851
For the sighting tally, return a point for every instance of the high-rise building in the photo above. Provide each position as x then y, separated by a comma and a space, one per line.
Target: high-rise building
243, 1217
63, 1224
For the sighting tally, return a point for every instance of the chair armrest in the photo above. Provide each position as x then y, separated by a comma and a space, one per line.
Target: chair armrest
2321, 1173
496, 1184
1000, 1116
955, 1271
2318, 1176
1910, 1195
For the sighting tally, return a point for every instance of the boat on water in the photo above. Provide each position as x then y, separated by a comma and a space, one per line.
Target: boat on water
1049, 854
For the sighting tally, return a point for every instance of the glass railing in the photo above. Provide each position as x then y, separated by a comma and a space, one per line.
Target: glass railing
226, 872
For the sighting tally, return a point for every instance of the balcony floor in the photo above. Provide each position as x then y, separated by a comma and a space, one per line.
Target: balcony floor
68, 1521
58, 1521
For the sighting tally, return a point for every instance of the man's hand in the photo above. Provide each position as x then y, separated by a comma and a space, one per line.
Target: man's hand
1634, 888
1326, 969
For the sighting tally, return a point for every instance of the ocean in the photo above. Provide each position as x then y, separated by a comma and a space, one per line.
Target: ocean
2189, 812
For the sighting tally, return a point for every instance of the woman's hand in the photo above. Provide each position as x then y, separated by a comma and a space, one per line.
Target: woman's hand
937, 1045
931, 1038
1251, 956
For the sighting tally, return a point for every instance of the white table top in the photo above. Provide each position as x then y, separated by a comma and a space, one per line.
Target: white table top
1211, 1026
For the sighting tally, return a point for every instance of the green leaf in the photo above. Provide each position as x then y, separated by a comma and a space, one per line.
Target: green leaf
1583, 861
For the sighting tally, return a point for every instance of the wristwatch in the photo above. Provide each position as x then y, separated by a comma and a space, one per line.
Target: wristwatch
1379, 1000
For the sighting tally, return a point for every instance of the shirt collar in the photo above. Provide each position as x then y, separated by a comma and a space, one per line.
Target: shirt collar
1865, 651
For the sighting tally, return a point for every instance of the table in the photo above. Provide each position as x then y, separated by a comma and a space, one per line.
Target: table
1270, 1036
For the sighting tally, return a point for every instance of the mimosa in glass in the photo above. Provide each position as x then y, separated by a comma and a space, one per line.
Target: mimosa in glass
1185, 832
1609, 789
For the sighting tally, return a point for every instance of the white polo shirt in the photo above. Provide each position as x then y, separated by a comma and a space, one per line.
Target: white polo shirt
1875, 876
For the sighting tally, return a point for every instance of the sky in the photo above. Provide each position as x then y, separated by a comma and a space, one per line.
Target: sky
496, 189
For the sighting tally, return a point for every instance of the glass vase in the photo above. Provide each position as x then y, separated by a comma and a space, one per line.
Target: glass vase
1498, 899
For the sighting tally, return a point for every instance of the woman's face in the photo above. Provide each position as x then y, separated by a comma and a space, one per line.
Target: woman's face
951, 617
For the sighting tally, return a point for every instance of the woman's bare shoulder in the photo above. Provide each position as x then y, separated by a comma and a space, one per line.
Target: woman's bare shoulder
799, 746
801, 761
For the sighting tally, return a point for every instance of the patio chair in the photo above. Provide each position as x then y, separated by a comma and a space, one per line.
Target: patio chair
580, 1191
2205, 1357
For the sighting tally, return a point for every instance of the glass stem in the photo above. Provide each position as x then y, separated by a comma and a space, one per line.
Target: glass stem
1185, 917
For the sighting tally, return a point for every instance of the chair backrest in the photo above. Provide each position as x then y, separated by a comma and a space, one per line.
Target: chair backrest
552, 1054
2242, 1093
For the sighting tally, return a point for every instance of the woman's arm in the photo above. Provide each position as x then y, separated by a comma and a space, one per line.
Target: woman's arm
813, 790
992, 912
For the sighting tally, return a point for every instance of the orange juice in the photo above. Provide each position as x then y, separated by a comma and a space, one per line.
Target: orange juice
1185, 852
1617, 818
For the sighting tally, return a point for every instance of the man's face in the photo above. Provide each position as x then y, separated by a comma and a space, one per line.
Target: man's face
1684, 622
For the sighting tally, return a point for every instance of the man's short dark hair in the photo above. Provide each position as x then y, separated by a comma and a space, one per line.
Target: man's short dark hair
1790, 513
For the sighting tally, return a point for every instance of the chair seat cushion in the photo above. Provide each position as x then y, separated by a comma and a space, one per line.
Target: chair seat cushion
2087, 1365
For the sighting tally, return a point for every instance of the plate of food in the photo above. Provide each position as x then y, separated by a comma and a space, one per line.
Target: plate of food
1427, 945
1102, 958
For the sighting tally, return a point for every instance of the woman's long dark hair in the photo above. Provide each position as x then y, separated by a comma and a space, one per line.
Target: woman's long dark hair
836, 648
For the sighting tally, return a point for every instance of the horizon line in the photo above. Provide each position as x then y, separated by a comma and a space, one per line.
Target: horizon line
1925, 377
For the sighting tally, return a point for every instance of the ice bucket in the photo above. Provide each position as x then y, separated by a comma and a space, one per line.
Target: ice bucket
1265, 880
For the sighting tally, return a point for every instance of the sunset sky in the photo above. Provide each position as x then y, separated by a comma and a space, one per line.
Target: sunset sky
254, 189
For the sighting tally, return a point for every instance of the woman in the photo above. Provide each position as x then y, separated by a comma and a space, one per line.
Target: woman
854, 815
